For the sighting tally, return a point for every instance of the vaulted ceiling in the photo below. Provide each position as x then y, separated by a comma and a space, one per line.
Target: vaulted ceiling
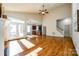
29, 7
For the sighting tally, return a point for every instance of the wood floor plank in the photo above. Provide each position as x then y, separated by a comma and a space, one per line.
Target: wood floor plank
51, 46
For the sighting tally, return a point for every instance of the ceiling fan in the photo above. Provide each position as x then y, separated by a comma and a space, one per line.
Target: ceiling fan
43, 11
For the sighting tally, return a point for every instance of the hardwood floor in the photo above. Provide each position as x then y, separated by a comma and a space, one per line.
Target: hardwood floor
45, 46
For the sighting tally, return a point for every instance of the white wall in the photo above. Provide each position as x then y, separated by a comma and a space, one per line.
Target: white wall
49, 20
34, 18
75, 35
1, 37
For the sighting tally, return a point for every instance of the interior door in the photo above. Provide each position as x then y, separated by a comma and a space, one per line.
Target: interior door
44, 30
67, 30
40, 29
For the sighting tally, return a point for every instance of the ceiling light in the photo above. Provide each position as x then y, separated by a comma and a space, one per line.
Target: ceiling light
43, 11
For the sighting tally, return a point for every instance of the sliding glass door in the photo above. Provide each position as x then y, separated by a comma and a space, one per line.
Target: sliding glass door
20, 29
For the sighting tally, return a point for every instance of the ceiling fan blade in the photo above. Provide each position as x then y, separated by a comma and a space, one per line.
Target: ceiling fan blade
43, 14
46, 12
45, 9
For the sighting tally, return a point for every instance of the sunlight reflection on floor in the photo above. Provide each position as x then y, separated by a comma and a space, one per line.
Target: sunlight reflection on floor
34, 53
14, 48
27, 43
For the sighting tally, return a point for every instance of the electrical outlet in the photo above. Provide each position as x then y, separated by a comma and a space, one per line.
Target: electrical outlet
53, 33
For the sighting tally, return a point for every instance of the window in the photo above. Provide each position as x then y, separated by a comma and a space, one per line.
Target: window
20, 29
28, 29
12, 29
16, 28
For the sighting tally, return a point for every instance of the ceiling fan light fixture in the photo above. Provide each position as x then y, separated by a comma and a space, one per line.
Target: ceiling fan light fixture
43, 11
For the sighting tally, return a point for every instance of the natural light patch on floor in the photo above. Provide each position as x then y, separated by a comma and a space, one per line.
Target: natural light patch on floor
14, 48
34, 53
27, 43
32, 36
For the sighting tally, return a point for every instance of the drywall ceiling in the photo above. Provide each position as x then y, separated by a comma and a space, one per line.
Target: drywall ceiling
29, 7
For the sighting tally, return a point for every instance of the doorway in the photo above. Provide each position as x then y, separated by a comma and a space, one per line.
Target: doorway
67, 27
